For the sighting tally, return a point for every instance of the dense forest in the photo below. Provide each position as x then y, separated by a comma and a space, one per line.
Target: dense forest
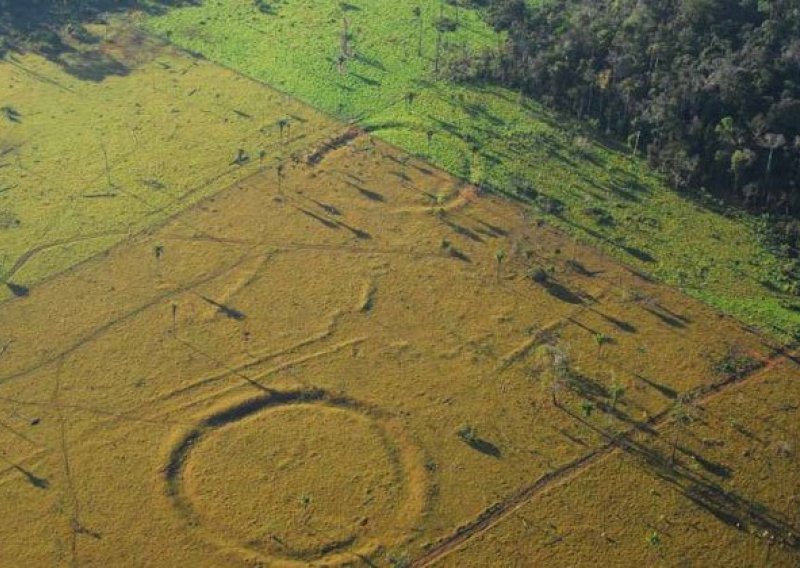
709, 90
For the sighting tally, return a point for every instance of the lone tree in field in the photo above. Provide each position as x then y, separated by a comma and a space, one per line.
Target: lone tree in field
554, 362
499, 256
283, 124
683, 413
409, 98
438, 50
474, 149
601, 339
341, 63
616, 392
345, 39
417, 12
279, 168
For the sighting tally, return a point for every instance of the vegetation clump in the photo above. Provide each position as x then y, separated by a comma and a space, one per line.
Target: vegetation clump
734, 364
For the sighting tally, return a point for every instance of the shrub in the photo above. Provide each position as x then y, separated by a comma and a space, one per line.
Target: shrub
734, 363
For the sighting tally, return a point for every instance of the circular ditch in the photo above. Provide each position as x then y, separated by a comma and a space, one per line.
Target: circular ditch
298, 476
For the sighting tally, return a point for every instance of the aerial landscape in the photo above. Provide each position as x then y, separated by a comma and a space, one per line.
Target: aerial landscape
399, 283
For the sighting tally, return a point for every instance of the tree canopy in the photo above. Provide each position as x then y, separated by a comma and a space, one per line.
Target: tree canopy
709, 89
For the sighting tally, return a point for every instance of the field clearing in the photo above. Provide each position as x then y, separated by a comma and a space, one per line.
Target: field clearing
339, 363
116, 139
491, 137
637, 508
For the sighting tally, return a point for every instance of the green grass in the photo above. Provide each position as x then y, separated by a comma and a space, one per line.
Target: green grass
87, 163
597, 193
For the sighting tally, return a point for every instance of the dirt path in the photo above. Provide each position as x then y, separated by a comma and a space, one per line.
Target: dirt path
495, 514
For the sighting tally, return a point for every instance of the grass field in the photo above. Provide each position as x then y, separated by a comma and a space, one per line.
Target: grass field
237, 331
628, 503
344, 366
118, 139
491, 137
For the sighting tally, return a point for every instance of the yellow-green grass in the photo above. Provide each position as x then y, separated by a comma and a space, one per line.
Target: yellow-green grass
490, 136
639, 506
334, 370
88, 162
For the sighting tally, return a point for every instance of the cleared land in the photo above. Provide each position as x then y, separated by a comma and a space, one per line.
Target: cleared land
490, 136
332, 353
344, 364
119, 136
632, 505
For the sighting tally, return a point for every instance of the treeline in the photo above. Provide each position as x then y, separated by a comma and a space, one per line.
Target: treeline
709, 90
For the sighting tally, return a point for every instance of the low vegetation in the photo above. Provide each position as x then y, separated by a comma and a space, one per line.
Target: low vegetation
255, 325
493, 136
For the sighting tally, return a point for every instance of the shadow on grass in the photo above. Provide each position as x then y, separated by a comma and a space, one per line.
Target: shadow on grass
18, 290
561, 292
368, 193
484, 447
30, 477
50, 29
733, 509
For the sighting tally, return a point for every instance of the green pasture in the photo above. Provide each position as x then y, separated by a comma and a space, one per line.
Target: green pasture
85, 162
387, 82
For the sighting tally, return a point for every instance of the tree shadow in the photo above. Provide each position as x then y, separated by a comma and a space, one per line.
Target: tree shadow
327, 207
663, 389
464, 231
30, 477
39, 26
366, 80
18, 290
561, 292
580, 269
618, 323
666, 318
92, 65
734, 510
368, 193
227, 311
321, 220
484, 446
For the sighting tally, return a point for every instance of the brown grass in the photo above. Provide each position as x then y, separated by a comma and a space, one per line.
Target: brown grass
286, 381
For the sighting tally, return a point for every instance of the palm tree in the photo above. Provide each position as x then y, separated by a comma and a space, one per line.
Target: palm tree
279, 169
772, 142
345, 39
601, 339
409, 98
500, 256
617, 391
438, 50
417, 12
558, 368
683, 415
282, 125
